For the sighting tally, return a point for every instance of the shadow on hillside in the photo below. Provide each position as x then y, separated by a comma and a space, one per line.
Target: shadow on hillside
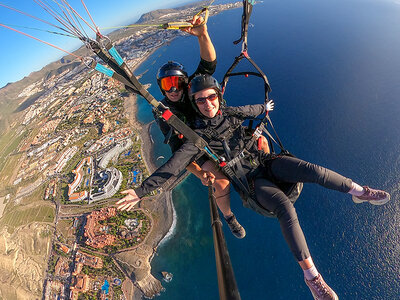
28, 102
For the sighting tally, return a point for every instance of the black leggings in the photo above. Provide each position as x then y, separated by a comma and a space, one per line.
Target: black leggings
290, 169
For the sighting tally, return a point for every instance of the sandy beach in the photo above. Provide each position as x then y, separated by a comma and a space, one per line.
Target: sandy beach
160, 206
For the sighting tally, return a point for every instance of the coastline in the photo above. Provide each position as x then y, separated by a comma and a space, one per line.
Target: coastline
172, 228
165, 205
160, 205
147, 149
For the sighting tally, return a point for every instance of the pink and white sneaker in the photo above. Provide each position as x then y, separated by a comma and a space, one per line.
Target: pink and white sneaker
320, 290
375, 197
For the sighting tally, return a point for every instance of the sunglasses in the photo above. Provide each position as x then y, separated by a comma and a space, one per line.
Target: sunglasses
172, 83
203, 100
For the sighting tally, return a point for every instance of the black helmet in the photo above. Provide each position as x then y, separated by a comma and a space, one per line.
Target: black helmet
171, 68
202, 82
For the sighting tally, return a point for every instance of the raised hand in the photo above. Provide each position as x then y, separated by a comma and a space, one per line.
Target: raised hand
129, 201
270, 105
196, 31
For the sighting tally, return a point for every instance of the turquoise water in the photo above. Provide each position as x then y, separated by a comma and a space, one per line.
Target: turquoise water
334, 68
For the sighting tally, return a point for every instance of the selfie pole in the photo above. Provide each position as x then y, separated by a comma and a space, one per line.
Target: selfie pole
228, 289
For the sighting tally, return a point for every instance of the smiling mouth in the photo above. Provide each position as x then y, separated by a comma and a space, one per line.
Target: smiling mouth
210, 109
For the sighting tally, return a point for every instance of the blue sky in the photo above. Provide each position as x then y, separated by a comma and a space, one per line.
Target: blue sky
20, 55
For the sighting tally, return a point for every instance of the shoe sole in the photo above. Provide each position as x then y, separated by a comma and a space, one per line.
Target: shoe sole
241, 235
373, 202
335, 296
237, 234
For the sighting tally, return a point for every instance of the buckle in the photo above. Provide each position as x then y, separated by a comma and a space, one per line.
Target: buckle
257, 133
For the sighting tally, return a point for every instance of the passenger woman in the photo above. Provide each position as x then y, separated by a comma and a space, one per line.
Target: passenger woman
222, 128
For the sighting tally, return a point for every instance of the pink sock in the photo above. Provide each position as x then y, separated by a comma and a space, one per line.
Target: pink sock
356, 189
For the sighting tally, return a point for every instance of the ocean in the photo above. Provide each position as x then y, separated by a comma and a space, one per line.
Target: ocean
334, 69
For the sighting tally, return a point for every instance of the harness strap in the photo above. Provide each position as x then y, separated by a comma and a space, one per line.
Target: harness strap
247, 9
237, 159
227, 150
264, 129
110, 73
107, 59
227, 170
259, 73
236, 163
279, 143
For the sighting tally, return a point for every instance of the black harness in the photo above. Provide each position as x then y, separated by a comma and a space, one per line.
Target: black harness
234, 162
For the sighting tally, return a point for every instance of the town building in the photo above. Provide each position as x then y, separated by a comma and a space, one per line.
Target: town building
95, 237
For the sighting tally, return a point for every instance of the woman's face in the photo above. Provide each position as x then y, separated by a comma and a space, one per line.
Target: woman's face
207, 102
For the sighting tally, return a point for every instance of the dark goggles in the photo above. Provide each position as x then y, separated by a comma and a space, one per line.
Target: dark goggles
202, 100
172, 83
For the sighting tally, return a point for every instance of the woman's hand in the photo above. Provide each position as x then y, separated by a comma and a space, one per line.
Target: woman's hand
270, 105
129, 201
207, 177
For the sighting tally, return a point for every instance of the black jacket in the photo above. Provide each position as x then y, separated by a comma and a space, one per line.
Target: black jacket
226, 124
182, 109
